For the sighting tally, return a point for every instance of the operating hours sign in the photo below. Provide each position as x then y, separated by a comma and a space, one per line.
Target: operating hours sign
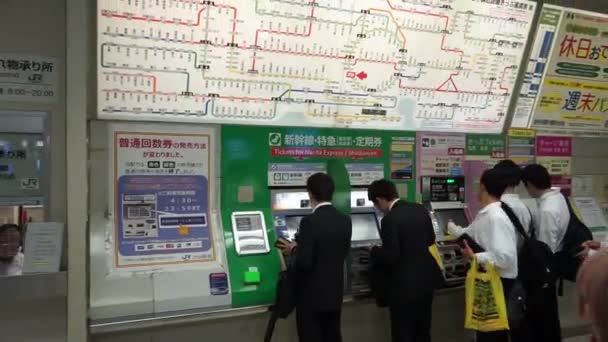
28, 78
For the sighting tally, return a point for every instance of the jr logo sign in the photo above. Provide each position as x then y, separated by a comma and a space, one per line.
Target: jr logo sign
30, 183
275, 139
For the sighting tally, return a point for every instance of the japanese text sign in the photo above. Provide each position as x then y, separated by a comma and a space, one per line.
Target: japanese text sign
162, 190
554, 146
574, 91
28, 78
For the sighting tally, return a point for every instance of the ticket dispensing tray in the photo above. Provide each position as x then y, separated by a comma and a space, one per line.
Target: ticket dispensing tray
455, 265
444, 197
366, 233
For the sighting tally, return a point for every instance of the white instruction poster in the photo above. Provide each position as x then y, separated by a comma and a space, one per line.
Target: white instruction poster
592, 215
162, 183
43, 247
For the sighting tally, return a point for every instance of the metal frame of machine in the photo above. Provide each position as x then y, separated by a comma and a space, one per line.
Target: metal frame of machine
439, 187
246, 236
358, 276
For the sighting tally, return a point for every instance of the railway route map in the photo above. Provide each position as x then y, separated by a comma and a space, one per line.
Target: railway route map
444, 65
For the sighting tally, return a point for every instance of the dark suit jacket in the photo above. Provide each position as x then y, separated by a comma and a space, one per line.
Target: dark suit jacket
407, 232
323, 245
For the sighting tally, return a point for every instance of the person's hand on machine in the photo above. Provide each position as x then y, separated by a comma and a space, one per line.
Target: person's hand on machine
446, 229
286, 246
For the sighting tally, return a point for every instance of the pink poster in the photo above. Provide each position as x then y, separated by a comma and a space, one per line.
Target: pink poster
472, 171
547, 146
555, 153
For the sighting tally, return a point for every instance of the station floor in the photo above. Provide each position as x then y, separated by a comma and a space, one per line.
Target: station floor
579, 339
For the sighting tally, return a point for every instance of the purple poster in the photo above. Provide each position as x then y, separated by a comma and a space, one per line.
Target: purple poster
161, 199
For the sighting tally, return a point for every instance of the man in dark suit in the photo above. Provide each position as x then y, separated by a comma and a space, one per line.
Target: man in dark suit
407, 233
320, 250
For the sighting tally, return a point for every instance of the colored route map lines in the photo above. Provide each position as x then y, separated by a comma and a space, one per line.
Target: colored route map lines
388, 64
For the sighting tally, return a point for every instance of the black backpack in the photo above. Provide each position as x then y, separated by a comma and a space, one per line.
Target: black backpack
535, 258
567, 261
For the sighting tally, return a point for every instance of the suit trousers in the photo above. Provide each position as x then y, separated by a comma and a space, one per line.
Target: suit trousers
318, 326
411, 322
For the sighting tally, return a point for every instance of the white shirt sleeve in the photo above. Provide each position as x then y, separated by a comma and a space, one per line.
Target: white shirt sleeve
548, 231
456, 231
14, 268
501, 250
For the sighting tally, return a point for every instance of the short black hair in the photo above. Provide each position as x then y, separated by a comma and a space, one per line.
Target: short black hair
321, 187
382, 188
536, 175
8, 226
505, 163
492, 180
511, 173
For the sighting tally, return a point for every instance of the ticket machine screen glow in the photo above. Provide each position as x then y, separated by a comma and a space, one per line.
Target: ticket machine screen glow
365, 227
250, 235
456, 215
365, 234
293, 224
290, 200
358, 199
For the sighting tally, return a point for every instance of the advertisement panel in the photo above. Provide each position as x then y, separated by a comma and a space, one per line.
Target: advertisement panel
574, 92
161, 199
440, 154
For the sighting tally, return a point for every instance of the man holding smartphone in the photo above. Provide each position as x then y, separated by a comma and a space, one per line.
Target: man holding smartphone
319, 251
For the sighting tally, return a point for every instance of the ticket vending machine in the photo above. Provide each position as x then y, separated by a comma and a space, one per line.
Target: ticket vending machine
366, 233
444, 198
289, 206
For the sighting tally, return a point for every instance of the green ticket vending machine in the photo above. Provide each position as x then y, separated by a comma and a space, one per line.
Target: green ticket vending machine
264, 172
365, 223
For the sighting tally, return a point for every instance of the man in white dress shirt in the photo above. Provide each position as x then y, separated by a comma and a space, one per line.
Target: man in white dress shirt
493, 231
551, 224
512, 174
11, 258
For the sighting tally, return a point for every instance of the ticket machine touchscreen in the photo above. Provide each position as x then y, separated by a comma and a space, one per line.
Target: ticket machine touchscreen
365, 227
444, 197
455, 215
292, 224
366, 233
